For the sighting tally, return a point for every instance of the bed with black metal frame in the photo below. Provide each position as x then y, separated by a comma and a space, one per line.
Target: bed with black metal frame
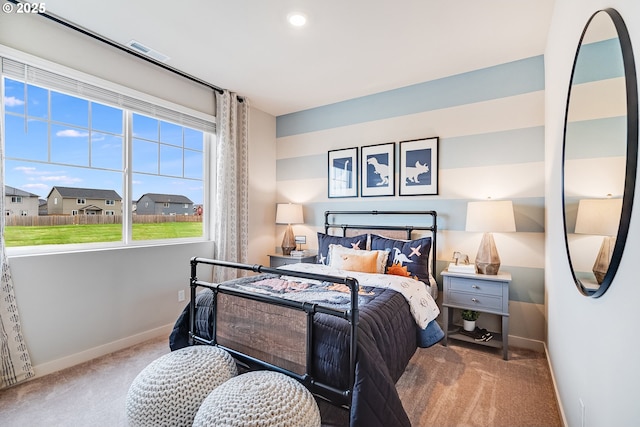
345, 346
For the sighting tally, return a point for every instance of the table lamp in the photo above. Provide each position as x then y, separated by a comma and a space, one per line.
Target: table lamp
600, 217
489, 217
288, 213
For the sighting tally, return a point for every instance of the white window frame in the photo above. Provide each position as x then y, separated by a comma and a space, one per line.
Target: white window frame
147, 105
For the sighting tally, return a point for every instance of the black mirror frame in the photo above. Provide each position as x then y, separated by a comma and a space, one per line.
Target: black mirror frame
632, 152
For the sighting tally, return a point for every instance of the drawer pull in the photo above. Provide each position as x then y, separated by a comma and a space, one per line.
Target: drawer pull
474, 299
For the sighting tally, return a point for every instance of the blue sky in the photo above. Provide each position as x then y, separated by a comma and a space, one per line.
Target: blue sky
68, 141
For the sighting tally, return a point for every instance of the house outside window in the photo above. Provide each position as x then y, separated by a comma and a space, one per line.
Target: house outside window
16, 199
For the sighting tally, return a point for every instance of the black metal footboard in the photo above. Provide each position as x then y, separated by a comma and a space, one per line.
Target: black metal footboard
333, 394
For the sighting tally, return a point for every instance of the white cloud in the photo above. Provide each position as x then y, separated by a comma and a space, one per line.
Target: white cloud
62, 179
72, 133
35, 188
12, 101
26, 170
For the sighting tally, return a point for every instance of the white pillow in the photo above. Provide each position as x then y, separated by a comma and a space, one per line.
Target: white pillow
357, 259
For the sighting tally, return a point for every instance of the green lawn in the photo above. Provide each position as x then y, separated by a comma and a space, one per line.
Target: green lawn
63, 234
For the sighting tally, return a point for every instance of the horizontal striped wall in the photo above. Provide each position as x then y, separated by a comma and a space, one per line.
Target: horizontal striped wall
490, 125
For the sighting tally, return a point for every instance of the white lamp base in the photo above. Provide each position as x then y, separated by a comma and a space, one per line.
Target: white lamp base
487, 259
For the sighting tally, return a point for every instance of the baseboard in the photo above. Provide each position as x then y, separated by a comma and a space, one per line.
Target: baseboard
555, 387
102, 350
526, 343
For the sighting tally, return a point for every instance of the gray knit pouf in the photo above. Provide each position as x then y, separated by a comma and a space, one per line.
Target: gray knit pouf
259, 398
169, 391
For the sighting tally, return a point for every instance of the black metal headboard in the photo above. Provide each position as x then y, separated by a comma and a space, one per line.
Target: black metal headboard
431, 225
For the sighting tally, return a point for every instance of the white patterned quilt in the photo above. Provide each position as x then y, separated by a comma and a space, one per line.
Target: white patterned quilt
422, 305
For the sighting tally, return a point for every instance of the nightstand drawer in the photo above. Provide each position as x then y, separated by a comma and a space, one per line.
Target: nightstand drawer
480, 287
475, 301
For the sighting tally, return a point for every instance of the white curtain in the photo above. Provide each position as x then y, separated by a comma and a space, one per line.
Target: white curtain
231, 223
15, 363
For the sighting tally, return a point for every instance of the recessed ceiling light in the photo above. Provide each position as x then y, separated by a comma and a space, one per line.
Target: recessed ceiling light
297, 19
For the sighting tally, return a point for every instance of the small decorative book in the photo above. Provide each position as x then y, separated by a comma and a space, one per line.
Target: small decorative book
462, 268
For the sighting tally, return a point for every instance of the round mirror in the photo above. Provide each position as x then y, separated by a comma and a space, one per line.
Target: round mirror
600, 152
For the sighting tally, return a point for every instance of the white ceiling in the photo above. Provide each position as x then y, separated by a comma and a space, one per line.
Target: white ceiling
349, 48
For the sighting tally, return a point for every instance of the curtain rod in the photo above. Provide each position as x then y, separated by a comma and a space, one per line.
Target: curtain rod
111, 43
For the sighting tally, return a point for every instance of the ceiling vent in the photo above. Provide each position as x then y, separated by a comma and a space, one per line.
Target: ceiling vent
147, 51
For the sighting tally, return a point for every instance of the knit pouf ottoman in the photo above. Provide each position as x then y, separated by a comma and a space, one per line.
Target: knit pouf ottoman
259, 398
169, 391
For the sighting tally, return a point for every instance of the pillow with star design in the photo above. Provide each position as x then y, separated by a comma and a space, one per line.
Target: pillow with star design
324, 240
413, 254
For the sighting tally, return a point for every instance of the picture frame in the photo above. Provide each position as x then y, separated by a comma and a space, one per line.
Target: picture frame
342, 173
418, 174
378, 170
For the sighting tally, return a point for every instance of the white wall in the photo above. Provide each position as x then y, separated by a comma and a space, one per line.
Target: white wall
262, 186
79, 305
592, 343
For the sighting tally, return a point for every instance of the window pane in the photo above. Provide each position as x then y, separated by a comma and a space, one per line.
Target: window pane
106, 151
193, 139
69, 109
166, 196
170, 160
145, 156
193, 164
38, 102
105, 118
165, 207
69, 145
171, 133
145, 127
13, 96
26, 141
61, 219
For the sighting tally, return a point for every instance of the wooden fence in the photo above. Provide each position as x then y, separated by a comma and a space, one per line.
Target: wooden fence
50, 220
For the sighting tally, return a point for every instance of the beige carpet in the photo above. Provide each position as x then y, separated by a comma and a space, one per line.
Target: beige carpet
467, 385
92, 394
458, 385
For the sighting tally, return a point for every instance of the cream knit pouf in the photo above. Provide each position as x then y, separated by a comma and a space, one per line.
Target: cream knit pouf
259, 398
169, 391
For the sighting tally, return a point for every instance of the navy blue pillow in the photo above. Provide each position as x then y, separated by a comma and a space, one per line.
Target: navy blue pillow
324, 240
413, 254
